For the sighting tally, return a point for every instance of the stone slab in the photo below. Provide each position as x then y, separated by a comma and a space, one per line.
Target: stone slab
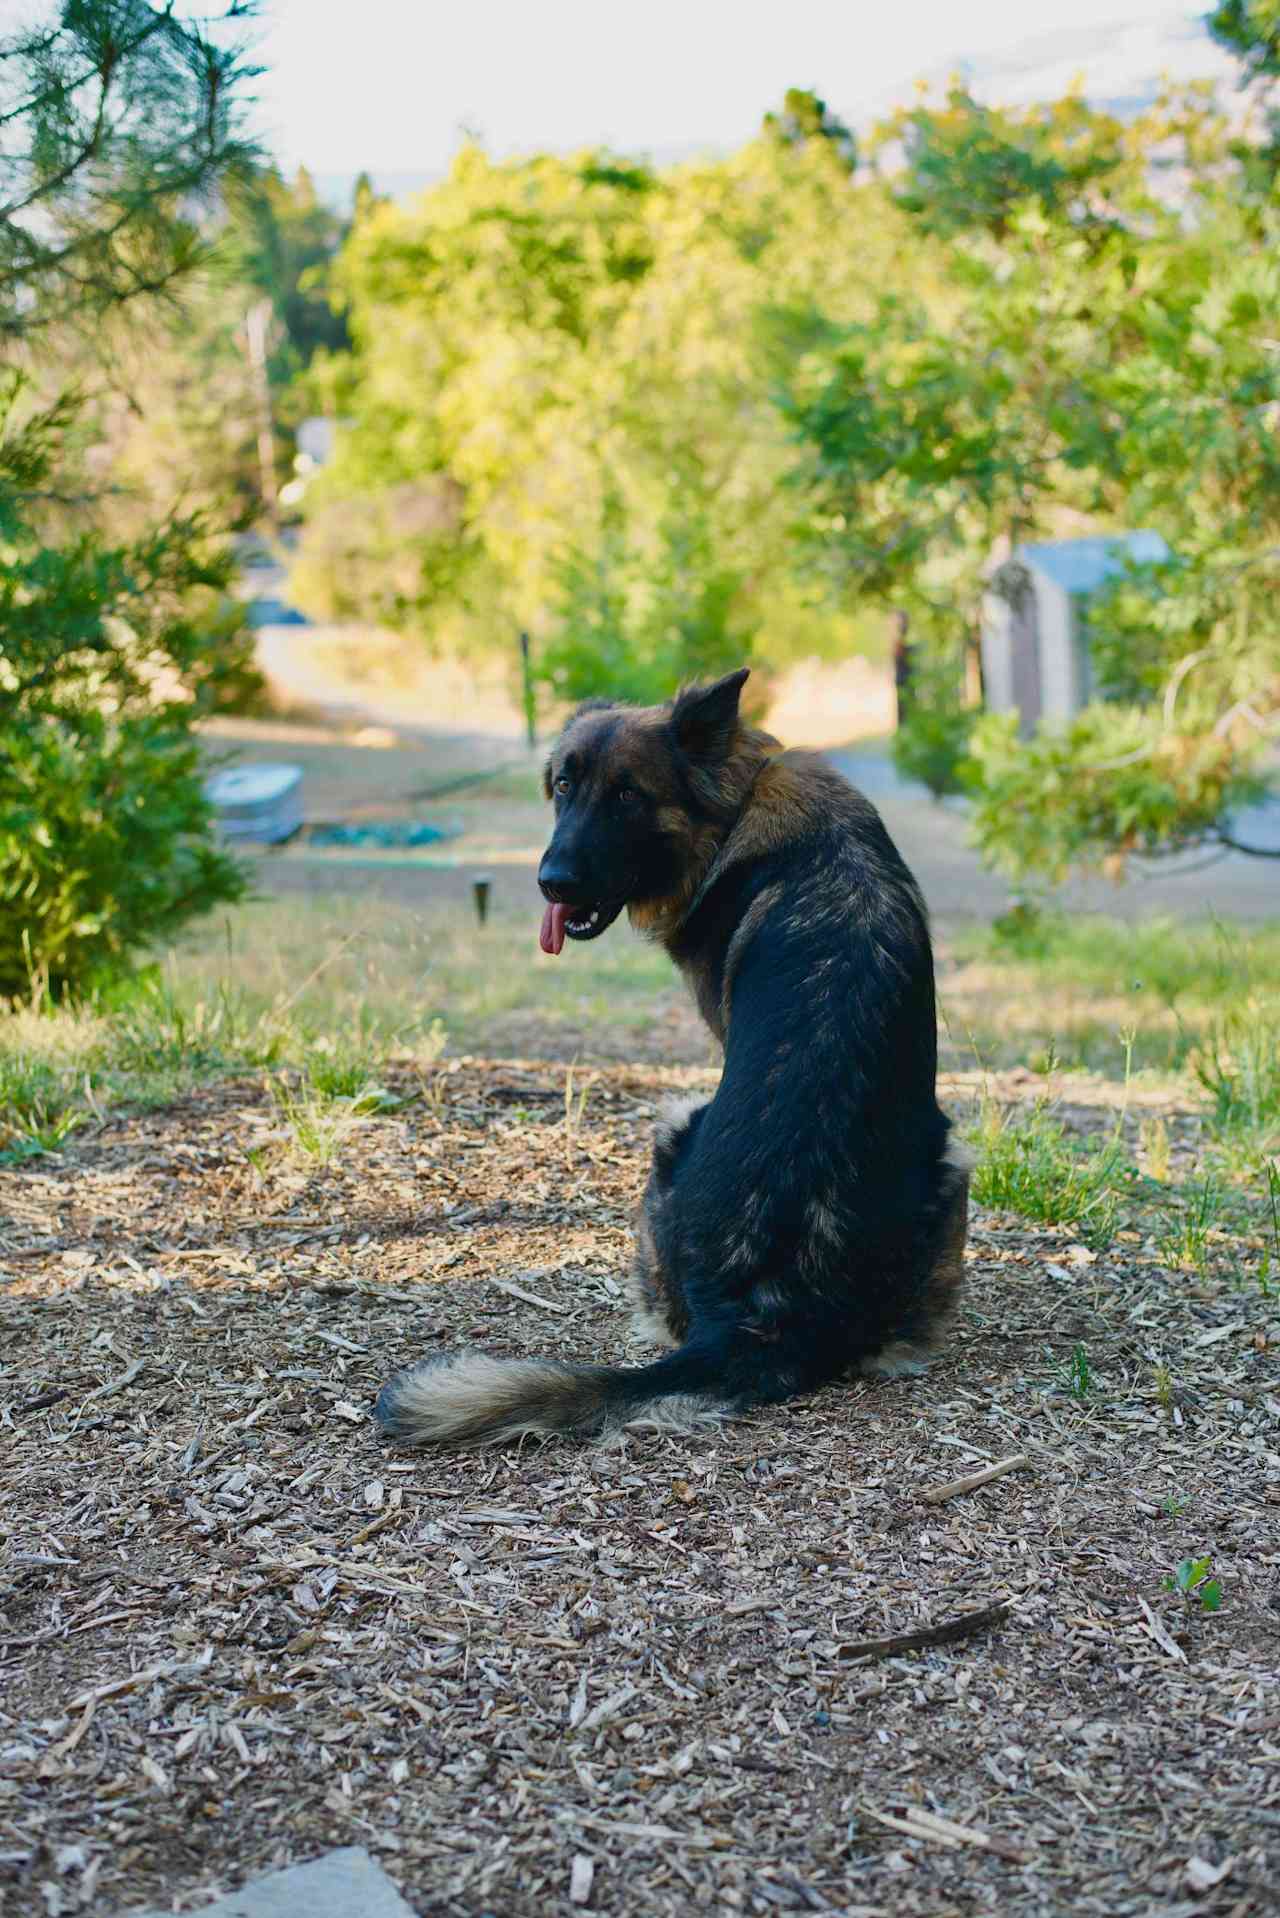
341, 1884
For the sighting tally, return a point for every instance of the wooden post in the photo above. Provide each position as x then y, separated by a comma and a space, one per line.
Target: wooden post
480, 893
902, 663
530, 709
256, 322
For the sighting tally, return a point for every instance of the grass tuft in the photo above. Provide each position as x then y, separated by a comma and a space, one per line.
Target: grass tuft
1080, 1381
1238, 1065
43, 1091
1029, 1164
1185, 1242
316, 1126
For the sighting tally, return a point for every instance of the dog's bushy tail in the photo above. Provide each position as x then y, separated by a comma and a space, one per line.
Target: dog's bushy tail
468, 1398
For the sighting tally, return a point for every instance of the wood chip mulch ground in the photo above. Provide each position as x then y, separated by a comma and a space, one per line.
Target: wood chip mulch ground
825, 1659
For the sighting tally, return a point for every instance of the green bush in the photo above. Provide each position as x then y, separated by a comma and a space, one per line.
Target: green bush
108, 655
1110, 785
932, 746
104, 846
121, 123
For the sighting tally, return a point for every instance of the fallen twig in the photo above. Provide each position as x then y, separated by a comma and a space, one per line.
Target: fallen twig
529, 1298
115, 1385
941, 1493
965, 1625
114, 1687
42, 1403
919, 1823
1157, 1631
73, 1737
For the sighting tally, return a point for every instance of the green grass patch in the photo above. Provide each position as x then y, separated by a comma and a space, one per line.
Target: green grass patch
1164, 996
1029, 1164
45, 1089
1238, 1065
291, 989
1205, 961
1185, 1239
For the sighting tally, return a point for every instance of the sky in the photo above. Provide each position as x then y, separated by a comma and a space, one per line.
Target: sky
390, 84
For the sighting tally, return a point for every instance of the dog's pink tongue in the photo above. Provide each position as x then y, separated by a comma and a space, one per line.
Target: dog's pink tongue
551, 938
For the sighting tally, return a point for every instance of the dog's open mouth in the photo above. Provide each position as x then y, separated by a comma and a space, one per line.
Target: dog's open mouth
574, 922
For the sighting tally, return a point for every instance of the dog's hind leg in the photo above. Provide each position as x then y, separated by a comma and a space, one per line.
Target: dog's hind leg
941, 1296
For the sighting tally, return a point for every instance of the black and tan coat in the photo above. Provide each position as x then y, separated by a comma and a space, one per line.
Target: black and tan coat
810, 1218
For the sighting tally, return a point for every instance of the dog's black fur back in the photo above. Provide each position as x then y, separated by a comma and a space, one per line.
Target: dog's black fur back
810, 1217
798, 1217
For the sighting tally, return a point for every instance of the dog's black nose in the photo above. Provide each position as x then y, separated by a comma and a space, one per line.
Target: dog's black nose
560, 886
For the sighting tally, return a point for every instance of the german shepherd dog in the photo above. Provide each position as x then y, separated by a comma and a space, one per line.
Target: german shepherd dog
810, 1218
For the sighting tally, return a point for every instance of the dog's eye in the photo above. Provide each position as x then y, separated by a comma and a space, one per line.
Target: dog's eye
628, 796
561, 785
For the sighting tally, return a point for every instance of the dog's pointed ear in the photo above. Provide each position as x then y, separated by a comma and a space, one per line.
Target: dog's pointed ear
704, 719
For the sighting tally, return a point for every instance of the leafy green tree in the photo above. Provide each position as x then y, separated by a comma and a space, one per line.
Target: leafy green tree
1087, 354
1251, 29
638, 627
652, 415
120, 122
935, 725
804, 117
279, 239
949, 419
183, 403
533, 339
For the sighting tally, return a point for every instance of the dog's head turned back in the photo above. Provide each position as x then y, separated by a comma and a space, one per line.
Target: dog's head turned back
643, 795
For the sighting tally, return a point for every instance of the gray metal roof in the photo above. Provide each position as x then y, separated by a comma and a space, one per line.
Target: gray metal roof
1081, 565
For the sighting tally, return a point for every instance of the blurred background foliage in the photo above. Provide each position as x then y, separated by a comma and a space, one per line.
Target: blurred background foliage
665, 420
741, 408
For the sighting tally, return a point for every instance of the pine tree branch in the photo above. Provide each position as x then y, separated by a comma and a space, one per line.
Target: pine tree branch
62, 85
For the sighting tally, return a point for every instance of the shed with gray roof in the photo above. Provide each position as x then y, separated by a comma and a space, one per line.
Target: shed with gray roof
1035, 645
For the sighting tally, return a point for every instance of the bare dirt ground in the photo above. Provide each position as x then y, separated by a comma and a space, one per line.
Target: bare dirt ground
235, 1629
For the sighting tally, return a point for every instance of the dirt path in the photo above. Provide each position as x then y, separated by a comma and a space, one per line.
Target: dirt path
236, 1630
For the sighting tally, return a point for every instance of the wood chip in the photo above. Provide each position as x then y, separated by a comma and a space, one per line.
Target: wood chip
1201, 1875
919, 1823
647, 1654
1158, 1632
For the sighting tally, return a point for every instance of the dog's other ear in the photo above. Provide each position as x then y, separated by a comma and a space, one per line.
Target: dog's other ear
704, 719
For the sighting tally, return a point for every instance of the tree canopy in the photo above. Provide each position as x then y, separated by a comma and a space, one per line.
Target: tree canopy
664, 418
